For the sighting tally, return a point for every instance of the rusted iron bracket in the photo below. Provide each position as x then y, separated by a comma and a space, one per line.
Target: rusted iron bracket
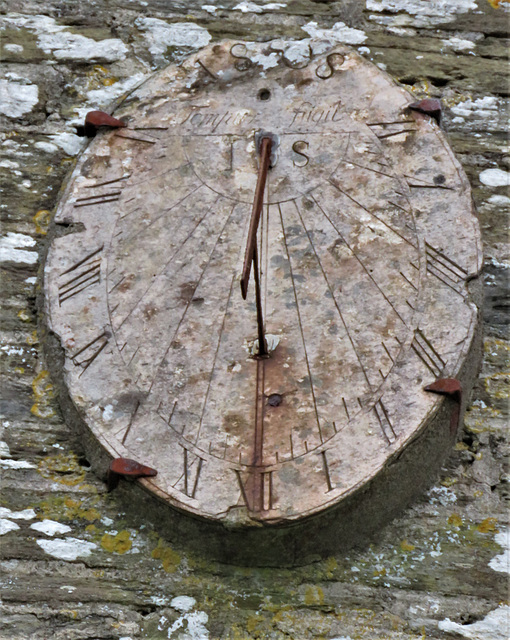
430, 107
96, 119
126, 468
452, 388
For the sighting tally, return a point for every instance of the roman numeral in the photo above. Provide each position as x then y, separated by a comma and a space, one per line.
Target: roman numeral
80, 276
192, 467
427, 354
87, 354
110, 192
389, 129
445, 269
385, 422
325, 466
256, 489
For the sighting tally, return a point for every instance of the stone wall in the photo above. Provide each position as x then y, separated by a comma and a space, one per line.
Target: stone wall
76, 562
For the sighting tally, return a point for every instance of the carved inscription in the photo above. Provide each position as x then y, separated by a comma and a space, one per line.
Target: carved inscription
187, 482
80, 276
424, 349
87, 354
256, 489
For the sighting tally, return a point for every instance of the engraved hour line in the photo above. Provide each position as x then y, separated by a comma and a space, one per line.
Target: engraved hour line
96, 345
385, 422
224, 316
131, 420
206, 397
372, 214
408, 281
422, 184
166, 211
81, 278
326, 471
165, 266
331, 290
197, 285
136, 138
210, 73
300, 323
345, 407
106, 182
387, 351
427, 354
360, 262
381, 173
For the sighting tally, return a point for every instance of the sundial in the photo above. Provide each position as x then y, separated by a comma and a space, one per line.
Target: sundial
253, 282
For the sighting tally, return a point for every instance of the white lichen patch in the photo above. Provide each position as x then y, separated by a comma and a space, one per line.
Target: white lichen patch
195, 623
13, 48
419, 13
441, 495
16, 98
251, 7
6, 526
50, 527
495, 626
495, 178
13, 248
339, 32
183, 603
161, 35
502, 561
56, 40
67, 549
16, 464
210, 8
459, 44
25, 514
68, 142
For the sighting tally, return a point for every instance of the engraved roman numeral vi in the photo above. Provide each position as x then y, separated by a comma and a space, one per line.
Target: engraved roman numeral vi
424, 349
110, 191
80, 276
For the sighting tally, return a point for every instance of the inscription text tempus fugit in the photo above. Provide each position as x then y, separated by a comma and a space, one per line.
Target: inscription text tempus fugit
306, 113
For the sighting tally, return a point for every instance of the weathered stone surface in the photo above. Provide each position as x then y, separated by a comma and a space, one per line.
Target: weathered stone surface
435, 572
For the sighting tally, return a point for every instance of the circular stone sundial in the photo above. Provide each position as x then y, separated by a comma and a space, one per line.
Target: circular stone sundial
299, 397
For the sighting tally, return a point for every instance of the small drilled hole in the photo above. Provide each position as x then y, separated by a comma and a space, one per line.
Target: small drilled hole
275, 400
264, 94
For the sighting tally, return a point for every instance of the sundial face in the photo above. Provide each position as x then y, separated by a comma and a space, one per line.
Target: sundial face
366, 243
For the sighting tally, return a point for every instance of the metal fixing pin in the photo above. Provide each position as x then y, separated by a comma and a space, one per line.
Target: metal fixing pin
96, 119
127, 468
452, 388
430, 107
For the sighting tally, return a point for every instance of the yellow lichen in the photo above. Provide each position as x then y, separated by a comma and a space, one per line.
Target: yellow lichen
119, 543
449, 482
331, 565
378, 573
495, 4
488, 525
455, 520
314, 596
63, 468
60, 508
33, 338
24, 316
170, 559
498, 385
43, 395
42, 220
407, 546
19, 370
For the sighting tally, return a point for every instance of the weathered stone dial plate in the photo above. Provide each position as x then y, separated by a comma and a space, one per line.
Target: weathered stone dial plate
367, 242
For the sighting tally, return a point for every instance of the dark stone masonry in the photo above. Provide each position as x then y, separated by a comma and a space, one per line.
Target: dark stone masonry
77, 562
